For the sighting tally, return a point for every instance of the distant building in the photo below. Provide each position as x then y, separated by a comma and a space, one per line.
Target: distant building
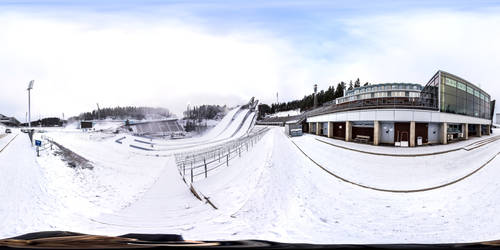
86, 124
447, 109
9, 121
166, 127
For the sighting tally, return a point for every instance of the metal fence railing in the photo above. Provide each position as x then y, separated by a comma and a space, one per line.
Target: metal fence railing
200, 163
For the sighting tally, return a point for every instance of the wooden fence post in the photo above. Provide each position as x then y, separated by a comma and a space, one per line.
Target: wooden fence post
227, 160
191, 175
205, 162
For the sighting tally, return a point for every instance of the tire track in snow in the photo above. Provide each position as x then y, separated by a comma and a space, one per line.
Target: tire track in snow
395, 190
8, 143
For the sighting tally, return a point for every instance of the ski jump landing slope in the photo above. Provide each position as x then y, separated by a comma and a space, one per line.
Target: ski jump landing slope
276, 193
235, 124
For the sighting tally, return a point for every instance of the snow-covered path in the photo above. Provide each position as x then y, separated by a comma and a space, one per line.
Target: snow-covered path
285, 197
273, 192
407, 173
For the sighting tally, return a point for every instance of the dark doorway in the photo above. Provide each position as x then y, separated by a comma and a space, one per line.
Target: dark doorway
401, 131
362, 131
305, 127
422, 130
339, 130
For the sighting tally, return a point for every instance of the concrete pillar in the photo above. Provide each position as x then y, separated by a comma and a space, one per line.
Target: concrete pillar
444, 133
412, 134
376, 133
478, 130
318, 127
348, 131
330, 129
466, 131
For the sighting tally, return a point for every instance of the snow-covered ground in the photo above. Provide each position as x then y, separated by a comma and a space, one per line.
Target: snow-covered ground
285, 113
273, 192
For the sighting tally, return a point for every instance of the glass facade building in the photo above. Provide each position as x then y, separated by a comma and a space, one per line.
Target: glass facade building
409, 90
458, 96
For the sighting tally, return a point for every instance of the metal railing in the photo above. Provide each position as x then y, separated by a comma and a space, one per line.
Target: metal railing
46, 145
194, 164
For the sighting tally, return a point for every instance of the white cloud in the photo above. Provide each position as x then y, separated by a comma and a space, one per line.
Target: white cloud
115, 59
166, 63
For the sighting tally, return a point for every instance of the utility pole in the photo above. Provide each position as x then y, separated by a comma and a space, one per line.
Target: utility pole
98, 112
30, 87
315, 95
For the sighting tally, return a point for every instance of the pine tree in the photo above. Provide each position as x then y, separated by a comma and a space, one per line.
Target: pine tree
357, 84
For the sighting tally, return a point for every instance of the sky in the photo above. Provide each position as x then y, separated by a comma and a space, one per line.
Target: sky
174, 53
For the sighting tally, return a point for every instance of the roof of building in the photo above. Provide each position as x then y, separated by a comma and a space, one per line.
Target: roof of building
383, 84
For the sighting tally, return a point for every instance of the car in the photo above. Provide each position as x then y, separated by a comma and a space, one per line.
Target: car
8, 131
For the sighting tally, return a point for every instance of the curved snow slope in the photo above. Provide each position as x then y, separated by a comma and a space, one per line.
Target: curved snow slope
223, 124
408, 173
276, 193
235, 124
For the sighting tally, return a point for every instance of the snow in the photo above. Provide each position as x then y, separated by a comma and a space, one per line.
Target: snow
285, 113
273, 192
406, 173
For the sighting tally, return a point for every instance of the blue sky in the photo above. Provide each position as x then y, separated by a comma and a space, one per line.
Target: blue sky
171, 53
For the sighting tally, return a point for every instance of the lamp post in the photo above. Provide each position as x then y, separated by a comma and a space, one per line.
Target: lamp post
30, 87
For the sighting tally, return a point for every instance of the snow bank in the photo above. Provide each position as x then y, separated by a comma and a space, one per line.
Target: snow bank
285, 113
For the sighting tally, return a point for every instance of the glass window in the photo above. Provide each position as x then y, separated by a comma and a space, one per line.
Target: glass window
461, 102
476, 105
470, 90
470, 104
450, 103
450, 82
414, 94
461, 86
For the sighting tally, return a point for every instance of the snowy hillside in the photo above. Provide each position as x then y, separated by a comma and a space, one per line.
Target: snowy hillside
301, 189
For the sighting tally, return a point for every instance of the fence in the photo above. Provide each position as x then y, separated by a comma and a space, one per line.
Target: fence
47, 144
198, 163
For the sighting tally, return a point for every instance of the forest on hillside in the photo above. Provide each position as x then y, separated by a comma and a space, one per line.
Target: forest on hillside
307, 102
129, 112
203, 112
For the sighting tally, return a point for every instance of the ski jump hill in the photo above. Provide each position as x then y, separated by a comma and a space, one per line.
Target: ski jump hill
260, 184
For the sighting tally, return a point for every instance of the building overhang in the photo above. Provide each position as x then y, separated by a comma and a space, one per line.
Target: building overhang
397, 115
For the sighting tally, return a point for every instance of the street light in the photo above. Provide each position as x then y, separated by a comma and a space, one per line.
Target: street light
30, 87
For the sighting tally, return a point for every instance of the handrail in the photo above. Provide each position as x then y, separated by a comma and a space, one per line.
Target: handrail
197, 163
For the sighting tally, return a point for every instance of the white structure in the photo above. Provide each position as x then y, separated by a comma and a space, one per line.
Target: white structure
447, 109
